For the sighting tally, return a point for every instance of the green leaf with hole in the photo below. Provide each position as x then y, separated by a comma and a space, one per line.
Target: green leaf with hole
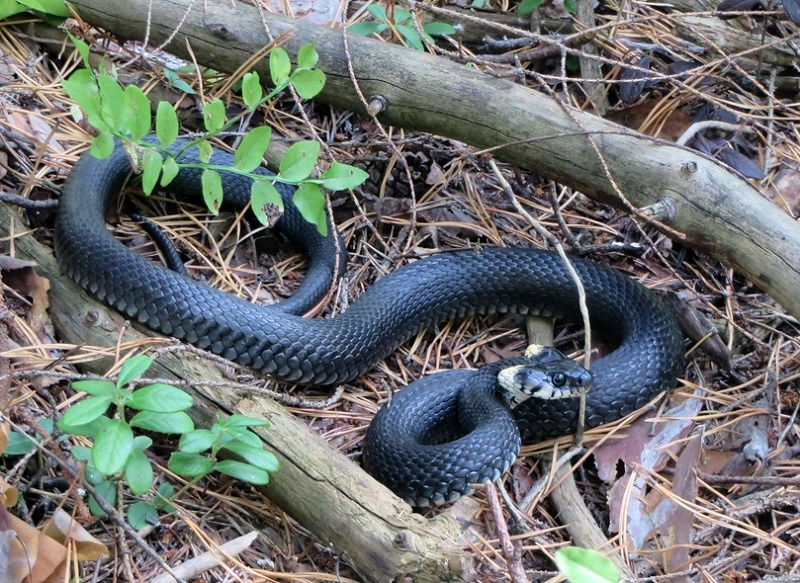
308, 82
138, 472
197, 441
166, 123
243, 472
214, 115
205, 151
342, 176
299, 161
160, 398
112, 447
251, 89
252, 148
212, 189
279, 66
96, 388
134, 367
139, 118
151, 170
256, 456
310, 201
189, 464
84, 412
169, 170
263, 197
585, 566
307, 57
102, 145
178, 422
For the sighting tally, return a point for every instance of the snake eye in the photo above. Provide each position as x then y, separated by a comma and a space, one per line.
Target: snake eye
558, 379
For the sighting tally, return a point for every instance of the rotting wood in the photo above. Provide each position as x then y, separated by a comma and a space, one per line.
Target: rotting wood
715, 209
373, 531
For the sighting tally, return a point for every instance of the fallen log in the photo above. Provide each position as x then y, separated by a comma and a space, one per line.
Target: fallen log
344, 507
712, 208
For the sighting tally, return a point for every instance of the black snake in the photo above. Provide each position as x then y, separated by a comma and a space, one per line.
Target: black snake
279, 342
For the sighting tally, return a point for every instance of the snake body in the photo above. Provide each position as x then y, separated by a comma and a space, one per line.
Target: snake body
279, 342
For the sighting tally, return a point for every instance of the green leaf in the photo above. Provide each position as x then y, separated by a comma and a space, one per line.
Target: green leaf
169, 170
197, 441
571, 6
90, 429
189, 464
138, 472
401, 16
243, 472
182, 85
342, 176
167, 491
140, 118
212, 189
528, 6
310, 201
178, 422
307, 56
237, 420
251, 89
214, 115
411, 36
166, 123
81, 453
252, 148
141, 514
367, 28
151, 170
112, 97
204, 151
108, 492
96, 388
53, 7
84, 412
135, 366
245, 436
279, 66
160, 398
10, 8
18, 444
142, 442
102, 145
82, 48
308, 82
585, 566
82, 89
257, 456
263, 194
434, 28
378, 12
299, 161
112, 447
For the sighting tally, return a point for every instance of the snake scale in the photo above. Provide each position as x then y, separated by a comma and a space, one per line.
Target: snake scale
278, 341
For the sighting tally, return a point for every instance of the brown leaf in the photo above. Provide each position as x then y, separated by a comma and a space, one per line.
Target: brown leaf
638, 118
5, 429
20, 275
62, 528
48, 555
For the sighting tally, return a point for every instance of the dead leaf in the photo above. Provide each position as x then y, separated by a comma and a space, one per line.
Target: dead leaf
5, 429
47, 555
63, 528
20, 276
637, 118
9, 495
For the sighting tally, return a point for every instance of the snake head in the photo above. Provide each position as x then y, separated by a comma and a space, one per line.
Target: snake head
548, 374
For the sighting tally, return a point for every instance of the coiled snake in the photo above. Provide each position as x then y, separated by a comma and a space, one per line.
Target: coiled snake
422, 468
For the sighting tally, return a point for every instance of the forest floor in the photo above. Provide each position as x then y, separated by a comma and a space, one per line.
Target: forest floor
702, 485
